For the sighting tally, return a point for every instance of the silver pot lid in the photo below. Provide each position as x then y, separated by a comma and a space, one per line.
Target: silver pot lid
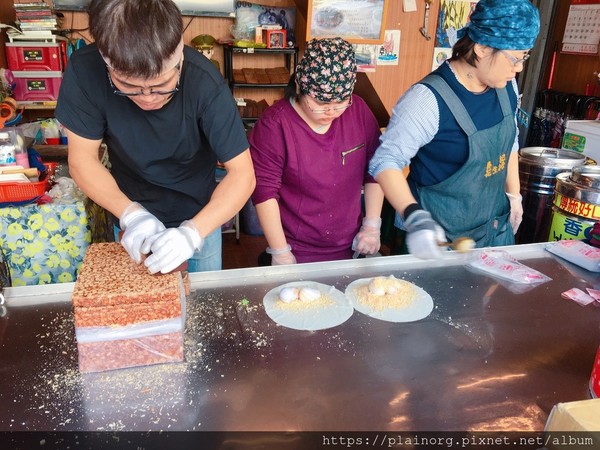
586, 176
548, 156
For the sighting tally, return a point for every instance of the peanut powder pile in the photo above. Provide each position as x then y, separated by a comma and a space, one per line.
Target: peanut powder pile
298, 305
404, 296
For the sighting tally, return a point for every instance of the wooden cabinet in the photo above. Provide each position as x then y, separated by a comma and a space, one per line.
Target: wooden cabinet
258, 77
254, 77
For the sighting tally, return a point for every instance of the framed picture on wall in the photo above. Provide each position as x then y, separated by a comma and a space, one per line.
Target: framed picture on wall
357, 21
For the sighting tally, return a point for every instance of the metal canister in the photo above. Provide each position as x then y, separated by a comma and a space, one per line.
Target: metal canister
538, 168
576, 203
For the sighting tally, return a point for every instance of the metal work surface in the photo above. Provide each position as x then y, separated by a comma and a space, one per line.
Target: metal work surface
486, 358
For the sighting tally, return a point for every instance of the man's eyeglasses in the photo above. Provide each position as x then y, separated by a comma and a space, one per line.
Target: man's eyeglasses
331, 108
151, 90
513, 60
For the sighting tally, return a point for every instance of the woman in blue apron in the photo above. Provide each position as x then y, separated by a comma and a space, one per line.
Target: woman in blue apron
456, 131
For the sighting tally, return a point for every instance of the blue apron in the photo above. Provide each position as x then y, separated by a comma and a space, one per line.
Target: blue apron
472, 202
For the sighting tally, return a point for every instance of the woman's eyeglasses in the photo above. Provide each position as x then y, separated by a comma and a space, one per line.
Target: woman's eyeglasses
151, 90
513, 60
331, 108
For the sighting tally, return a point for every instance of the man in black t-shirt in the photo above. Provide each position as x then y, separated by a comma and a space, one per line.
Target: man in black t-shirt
167, 117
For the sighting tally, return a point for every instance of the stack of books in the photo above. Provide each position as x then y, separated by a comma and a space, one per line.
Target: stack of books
35, 19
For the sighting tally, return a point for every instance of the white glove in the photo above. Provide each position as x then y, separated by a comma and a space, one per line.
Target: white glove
423, 235
137, 225
516, 211
172, 247
367, 241
281, 256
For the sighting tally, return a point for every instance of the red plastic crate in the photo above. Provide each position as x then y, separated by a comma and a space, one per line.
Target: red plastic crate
36, 86
22, 56
21, 192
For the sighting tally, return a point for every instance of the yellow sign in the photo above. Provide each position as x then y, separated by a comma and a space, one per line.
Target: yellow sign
577, 208
569, 227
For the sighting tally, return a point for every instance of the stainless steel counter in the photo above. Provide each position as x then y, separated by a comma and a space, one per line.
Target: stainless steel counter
487, 358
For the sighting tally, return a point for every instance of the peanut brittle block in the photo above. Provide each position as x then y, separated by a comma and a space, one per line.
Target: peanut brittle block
250, 75
238, 76
261, 76
278, 75
109, 277
125, 316
101, 356
99, 316
261, 106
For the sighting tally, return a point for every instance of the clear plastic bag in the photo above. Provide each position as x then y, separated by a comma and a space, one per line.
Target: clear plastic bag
65, 191
111, 347
500, 264
577, 252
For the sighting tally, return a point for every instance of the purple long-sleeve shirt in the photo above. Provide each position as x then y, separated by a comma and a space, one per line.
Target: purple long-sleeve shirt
318, 190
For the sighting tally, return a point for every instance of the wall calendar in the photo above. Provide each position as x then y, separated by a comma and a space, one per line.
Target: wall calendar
582, 30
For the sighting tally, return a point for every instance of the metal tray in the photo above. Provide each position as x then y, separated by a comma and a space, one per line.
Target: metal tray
486, 358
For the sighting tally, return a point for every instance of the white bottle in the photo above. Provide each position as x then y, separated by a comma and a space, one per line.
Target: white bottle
7, 150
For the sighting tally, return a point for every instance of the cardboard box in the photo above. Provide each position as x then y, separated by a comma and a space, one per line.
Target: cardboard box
258, 34
583, 415
573, 425
583, 136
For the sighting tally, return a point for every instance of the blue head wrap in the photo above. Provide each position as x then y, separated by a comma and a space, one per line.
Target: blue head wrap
503, 24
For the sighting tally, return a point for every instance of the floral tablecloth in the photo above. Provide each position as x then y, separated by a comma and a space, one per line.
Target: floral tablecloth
44, 243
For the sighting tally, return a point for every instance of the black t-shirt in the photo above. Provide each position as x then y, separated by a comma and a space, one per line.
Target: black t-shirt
163, 159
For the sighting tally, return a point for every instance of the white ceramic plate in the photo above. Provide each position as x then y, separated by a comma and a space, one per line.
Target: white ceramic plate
419, 309
317, 318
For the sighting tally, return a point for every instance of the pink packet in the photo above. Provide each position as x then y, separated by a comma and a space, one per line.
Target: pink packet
578, 296
595, 294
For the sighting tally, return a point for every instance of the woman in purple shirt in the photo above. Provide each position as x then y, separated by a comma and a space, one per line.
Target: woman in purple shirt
311, 152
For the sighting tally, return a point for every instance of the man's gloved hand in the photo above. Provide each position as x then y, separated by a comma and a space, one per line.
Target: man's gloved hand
281, 256
137, 225
367, 241
516, 211
172, 247
423, 235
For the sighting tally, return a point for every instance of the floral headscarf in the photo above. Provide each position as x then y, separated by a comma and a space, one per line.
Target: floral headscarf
327, 71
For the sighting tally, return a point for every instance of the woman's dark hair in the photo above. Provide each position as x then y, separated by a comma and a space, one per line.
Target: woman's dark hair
290, 90
137, 36
465, 49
